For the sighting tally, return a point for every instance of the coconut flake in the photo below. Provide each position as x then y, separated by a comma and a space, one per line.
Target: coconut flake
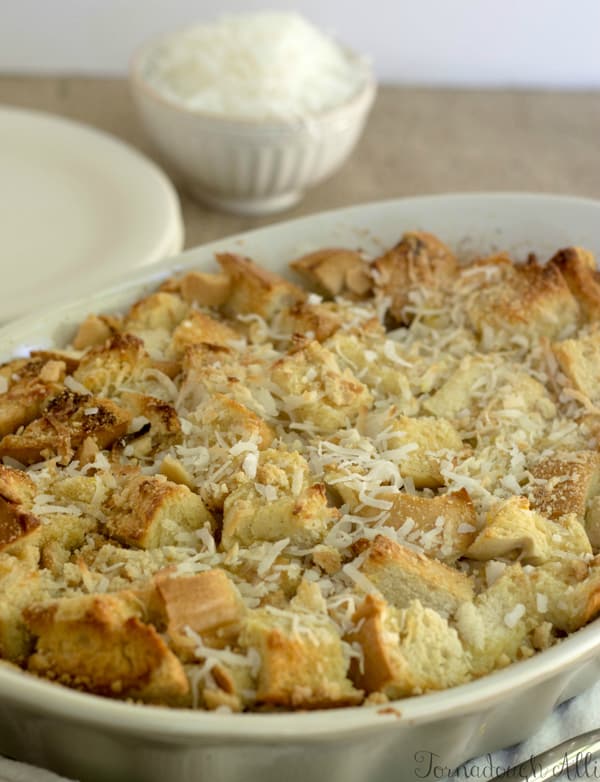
512, 618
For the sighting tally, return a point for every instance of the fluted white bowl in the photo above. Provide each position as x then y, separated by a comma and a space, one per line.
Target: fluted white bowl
243, 165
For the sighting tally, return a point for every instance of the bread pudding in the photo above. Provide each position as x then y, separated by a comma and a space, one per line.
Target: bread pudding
249, 494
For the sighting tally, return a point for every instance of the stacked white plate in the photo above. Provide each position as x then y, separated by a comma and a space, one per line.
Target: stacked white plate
77, 209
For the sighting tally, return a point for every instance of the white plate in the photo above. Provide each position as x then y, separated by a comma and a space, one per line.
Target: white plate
77, 207
97, 739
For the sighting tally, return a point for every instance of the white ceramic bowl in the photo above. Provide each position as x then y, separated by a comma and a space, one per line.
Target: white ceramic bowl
245, 166
97, 739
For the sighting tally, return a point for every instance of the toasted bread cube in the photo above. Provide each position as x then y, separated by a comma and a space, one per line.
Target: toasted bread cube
229, 421
512, 528
98, 643
68, 419
198, 327
328, 558
208, 290
20, 584
335, 272
572, 599
207, 369
580, 270
497, 624
61, 534
253, 513
16, 485
592, 522
214, 697
406, 652
18, 370
416, 445
47, 366
528, 299
159, 310
232, 436
279, 501
80, 488
579, 359
320, 392
208, 603
202, 288
254, 289
403, 575
418, 260
457, 393
105, 368
175, 472
302, 661
231, 685
155, 420
314, 321
23, 402
211, 369
95, 330
465, 389
149, 512
566, 483
445, 525
16, 524
379, 363
68, 357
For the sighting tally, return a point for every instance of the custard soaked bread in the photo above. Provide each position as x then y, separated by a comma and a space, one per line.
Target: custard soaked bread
243, 494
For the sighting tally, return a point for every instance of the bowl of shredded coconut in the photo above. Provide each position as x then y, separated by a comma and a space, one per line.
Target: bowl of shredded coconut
252, 109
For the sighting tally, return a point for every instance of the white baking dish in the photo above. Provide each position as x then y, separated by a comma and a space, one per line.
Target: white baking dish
97, 739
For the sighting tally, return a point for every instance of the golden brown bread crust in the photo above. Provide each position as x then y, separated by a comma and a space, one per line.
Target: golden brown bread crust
525, 298
94, 331
302, 318
159, 426
382, 665
565, 483
301, 667
406, 652
578, 267
512, 529
454, 535
53, 359
15, 523
160, 310
579, 359
198, 327
403, 575
67, 420
15, 485
106, 366
23, 402
300, 513
418, 260
98, 643
207, 603
196, 287
329, 400
150, 511
335, 272
254, 289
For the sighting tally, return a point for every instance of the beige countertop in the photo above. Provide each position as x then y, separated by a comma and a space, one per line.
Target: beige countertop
416, 141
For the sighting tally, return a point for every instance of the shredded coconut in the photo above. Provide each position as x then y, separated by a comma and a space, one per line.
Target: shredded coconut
511, 618
265, 65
